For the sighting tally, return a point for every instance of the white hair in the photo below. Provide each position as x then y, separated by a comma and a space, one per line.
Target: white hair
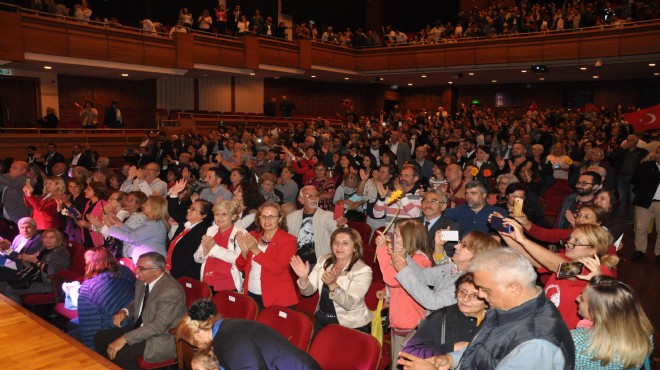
506, 265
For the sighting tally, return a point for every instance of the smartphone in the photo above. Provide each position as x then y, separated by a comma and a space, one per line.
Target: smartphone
569, 269
557, 166
518, 207
449, 235
497, 223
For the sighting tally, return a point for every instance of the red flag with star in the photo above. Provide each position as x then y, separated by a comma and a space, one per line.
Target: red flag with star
644, 119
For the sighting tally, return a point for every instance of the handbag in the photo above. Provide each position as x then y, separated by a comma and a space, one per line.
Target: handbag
27, 276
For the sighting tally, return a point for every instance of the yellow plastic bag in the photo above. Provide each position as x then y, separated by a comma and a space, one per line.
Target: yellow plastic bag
377, 322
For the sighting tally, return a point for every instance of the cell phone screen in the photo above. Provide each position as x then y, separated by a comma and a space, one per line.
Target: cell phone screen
569, 269
497, 223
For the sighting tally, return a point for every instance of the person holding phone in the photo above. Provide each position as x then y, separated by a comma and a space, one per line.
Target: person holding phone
587, 244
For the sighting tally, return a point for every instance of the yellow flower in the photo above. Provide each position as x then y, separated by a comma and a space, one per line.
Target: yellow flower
395, 196
568, 161
474, 171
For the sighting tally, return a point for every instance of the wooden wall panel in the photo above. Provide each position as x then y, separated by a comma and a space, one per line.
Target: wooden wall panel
561, 49
633, 43
12, 34
185, 50
437, 58
429, 98
461, 56
87, 45
45, 38
529, 51
215, 94
492, 53
137, 98
123, 50
246, 92
402, 59
251, 52
305, 54
597, 46
159, 54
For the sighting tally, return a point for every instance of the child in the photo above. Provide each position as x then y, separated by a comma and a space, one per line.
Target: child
354, 204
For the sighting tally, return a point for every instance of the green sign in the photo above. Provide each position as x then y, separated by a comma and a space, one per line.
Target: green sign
475, 102
5, 72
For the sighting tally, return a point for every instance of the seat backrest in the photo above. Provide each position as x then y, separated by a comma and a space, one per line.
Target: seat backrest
369, 257
194, 289
77, 255
293, 325
128, 263
234, 305
370, 298
372, 242
363, 229
307, 305
338, 347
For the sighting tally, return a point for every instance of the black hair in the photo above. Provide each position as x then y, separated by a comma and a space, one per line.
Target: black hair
202, 310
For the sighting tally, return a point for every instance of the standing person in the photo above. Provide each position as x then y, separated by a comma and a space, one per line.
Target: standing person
400, 148
286, 107
342, 280
287, 185
610, 305
89, 114
585, 192
270, 107
434, 202
45, 206
113, 117
51, 157
11, 186
265, 256
474, 214
646, 181
625, 161
409, 238
96, 194
180, 261
108, 286
158, 303
221, 20
507, 281
74, 203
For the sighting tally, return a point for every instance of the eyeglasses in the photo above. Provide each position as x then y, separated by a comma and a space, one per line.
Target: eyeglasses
582, 183
462, 294
269, 218
192, 209
434, 201
571, 245
142, 268
152, 169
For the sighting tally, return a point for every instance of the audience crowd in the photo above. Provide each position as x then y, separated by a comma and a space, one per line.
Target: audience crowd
272, 212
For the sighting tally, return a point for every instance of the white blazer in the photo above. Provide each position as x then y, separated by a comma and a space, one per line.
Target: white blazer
228, 254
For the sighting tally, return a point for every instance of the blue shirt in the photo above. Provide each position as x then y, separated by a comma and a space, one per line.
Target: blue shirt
471, 220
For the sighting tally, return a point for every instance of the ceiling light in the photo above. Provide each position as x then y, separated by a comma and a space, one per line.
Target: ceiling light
313, 76
48, 67
651, 64
542, 78
595, 76
493, 80
346, 78
252, 73
124, 74
656, 74
524, 71
423, 76
410, 84
583, 68
450, 82
471, 73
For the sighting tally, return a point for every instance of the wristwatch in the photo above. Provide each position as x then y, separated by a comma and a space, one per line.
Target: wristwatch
336, 290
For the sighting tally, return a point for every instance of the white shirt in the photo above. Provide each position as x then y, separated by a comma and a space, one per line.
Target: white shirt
254, 283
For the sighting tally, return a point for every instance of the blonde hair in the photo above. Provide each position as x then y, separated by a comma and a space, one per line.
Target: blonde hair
229, 207
187, 328
478, 242
204, 360
601, 240
159, 209
59, 187
415, 237
621, 331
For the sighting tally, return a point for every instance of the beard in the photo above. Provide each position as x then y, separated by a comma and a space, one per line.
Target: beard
584, 192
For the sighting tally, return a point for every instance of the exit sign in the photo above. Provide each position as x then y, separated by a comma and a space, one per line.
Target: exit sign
5, 72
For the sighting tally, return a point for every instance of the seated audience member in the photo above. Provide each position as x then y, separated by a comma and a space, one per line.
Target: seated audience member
287, 186
507, 281
158, 304
240, 344
434, 202
451, 327
417, 281
96, 194
411, 239
150, 236
267, 188
342, 280
585, 192
607, 305
178, 202
27, 242
265, 257
218, 250
108, 287
324, 184
49, 260
346, 194
473, 215
587, 244
74, 203
215, 189
44, 207
312, 226
180, 260
560, 161
146, 180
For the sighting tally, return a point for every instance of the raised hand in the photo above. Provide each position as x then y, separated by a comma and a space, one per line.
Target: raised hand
593, 265
207, 243
300, 268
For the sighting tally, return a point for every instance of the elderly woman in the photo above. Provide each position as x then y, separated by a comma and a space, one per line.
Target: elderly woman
499, 197
49, 261
150, 236
128, 208
587, 244
180, 260
267, 188
218, 250
287, 186
108, 287
74, 204
96, 194
265, 257
609, 306
44, 207
452, 327
342, 279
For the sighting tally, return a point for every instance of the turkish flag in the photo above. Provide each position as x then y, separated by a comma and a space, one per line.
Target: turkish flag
644, 119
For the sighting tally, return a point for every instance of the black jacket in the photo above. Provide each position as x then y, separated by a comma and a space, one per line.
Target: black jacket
645, 180
183, 263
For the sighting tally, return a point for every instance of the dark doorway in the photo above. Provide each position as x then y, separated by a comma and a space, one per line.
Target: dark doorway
18, 100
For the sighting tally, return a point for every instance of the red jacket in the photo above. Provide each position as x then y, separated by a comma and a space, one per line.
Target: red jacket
44, 211
277, 287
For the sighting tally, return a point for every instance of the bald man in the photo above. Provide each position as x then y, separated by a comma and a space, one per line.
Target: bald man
11, 187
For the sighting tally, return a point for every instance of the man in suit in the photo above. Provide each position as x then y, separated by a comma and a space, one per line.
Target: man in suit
399, 148
51, 157
113, 117
28, 241
159, 304
79, 158
426, 166
434, 202
646, 182
11, 188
